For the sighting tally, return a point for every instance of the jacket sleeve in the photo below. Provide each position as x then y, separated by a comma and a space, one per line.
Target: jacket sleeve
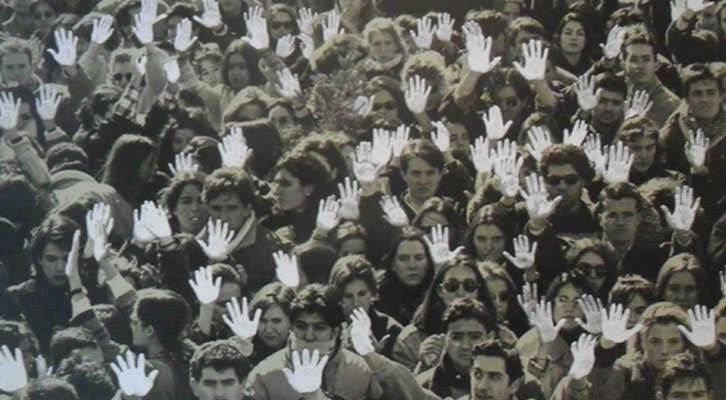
396, 380
571, 389
606, 377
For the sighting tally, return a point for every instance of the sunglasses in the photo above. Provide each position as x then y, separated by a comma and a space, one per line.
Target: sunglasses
389, 105
119, 77
568, 179
44, 15
593, 270
452, 285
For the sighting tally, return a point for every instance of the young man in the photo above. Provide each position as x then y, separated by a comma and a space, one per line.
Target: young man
685, 377
217, 371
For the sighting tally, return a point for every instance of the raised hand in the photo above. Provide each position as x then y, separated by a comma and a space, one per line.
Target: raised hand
578, 134
99, 225
42, 368
363, 105
67, 44
172, 71
308, 372
595, 153
684, 212
349, 198
234, 150
286, 269
583, 355
479, 50
142, 234
678, 7
698, 5
393, 212
539, 207
611, 49
140, 63
539, 140
328, 214
183, 163
703, 327
528, 299
445, 27
360, 332
524, 255
507, 170
285, 46
431, 350
239, 320
205, 287
399, 139
184, 39
417, 94
211, 17
148, 12
381, 149
132, 379
143, 29
592, 308
542, 320
494, 123
47, 102
331, 26
441, 137
638, 105
9, 110
155, 220
481, 155
289, 86
535, 61
71, 270
256, 23
614, 324
218, 245
438, 244
13, 376
424, 34
587, 97
306, 20
307, 45
696, 148
363, 167
102, 29
618, 164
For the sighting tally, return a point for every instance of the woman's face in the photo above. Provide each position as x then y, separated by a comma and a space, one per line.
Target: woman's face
53, 262
274, 327
382, 46
661, 342
499, 290
510, 104
410, 264
281, 118
210, 71
146, 169
594, 268
682, 290
356, 294
352, 246
458, 282
181, 139
190, 211
280, 24
489, 242
637, 306
43, 16
289, 191
237, 72
566, 306
572, 38
384, 107
26, 123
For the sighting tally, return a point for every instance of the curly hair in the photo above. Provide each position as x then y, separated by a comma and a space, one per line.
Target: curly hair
220, 355
563, 153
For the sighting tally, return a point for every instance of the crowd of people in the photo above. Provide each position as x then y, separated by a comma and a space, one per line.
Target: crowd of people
362, 199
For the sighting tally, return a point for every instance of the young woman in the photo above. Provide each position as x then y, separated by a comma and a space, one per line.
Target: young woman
573, 44
596, 262
183, 199
682, 281
272, 334
386, 53
503, 291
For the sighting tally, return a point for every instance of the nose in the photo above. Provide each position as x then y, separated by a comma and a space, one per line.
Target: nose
309, 334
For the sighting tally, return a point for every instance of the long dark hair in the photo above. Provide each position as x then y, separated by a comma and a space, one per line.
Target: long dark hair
121, 170
168, 313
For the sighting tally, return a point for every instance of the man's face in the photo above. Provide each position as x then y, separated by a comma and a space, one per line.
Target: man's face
461, 336
218, 385
704, 98
121, 73
312, 328
489, 379
229, 208
689, 389
619, 219
563, 180
209, 71
53, 260
643, 150
422, 179
237, 72
610, 108
661, 342
639, 63
16, 67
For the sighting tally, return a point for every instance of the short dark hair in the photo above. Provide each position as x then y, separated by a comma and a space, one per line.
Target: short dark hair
635, 128
423, 149
694, 73
495, 348
626, 287
468, 308
316, 298
65, 341
684, 366
492, 23
611, 83
220, 355
349, 268
49, 388
229, 180
90, 379
525, 24
563, 153
619, 191
637, 35
54, 229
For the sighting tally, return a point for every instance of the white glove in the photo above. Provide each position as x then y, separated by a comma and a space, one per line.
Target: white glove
417, 94
289, 86
614, 324
42, 368
441, 137
678, 7
155, 220
424, 34
220, 237
381, 149
360, 332
308, 373
698, 5
172, 71
307, 45
285, 46
481, 155
211, 18
684, 212
13, 376
205, 287
183, 39
479, 50
99, 224
506, 170
183, 163
618, 164
102, 29
393, 212
539, 140
535, 61
638, 105
349, 199
494, 122
257, 34
399, 139
528, 299
583, 355
445, 27
611, 49
306, 20
234, 150
595, 153
328, 214
363, 167
239, 321
524, 255
363, 105
539, 207
587, 97
592, 308
696, 148
578, 134
47, 102
67, 44
331, 26
9, 110
703, 327
286, 269
148, 12
132, 379
144, 30
542, 320
438, 244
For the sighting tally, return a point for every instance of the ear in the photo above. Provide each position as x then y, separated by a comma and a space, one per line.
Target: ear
262, 65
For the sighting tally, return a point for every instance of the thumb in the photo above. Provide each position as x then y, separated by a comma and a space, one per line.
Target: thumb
581, 323
560, 324
686, 332
288, 374
152, 376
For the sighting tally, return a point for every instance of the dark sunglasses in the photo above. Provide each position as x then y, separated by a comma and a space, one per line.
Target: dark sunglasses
44, 15
593, 270
389, 105
568, 179
119, 76
452, 285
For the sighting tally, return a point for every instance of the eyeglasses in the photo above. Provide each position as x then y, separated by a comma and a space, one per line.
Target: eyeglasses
593, 270
452, 285
389, 105
118, 77
568, 179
